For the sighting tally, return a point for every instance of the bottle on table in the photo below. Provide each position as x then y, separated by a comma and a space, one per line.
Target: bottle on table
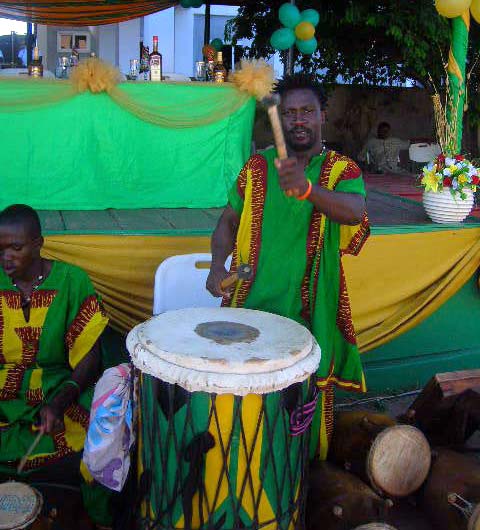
155, 62
35, 68
219, 70
209, 70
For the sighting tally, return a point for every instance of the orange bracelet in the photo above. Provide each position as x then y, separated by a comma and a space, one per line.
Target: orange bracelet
307, 193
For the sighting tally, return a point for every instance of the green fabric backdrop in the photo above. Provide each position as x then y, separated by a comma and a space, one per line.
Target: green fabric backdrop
88, 153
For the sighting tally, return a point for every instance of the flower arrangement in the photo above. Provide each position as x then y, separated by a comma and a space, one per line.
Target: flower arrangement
455, 172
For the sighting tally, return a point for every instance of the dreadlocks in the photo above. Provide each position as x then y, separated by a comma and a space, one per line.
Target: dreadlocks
299, 82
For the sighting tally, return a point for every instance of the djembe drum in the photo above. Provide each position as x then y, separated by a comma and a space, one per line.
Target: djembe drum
451, 497
227, 399
394, 459
20, 506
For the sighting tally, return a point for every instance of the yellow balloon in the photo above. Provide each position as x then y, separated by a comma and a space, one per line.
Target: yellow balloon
304, 31
475, 10
452, 8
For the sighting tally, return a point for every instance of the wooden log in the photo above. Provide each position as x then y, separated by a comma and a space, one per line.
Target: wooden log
337, 499
451, 496
448, 409
394, 459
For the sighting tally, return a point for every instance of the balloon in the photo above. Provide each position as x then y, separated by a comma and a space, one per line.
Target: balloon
312, 16
196, 3
217, 44
282, 39
304, 31
307, 46
185, 3
289, 15
452, 8
475, 10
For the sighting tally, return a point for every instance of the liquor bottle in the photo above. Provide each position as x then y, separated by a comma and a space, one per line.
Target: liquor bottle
35, 68
144, 58
209, 70
219, 70
155, 62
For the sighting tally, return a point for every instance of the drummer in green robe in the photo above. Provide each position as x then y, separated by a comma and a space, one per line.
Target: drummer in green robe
292, 220
50, 323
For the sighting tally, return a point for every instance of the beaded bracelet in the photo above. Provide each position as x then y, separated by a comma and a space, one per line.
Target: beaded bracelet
307, 193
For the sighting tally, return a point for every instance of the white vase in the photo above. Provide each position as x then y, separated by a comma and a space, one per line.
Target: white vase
442, 207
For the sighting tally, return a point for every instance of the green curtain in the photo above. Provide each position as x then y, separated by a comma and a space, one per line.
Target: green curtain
144, 145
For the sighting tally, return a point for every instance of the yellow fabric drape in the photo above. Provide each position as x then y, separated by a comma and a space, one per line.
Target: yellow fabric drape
397, 281
173, 105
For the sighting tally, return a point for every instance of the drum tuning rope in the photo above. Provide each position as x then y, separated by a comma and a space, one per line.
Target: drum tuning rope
461, 504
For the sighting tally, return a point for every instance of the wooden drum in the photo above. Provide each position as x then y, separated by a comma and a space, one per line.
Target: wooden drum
227, 399
395, 459
20, 506
451, 497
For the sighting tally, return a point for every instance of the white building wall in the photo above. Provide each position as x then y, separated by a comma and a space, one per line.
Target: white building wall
108, 43
128, 43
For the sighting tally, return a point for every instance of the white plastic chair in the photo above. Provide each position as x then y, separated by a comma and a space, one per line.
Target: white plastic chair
180, 283
422, 153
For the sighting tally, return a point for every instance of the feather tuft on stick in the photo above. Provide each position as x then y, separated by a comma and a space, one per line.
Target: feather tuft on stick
254, 77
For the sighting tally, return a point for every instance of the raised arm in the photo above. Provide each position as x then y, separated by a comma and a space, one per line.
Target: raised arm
223, 241
343, 208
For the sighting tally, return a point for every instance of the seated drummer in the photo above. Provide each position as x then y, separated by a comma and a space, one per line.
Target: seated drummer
294, 244
50, 323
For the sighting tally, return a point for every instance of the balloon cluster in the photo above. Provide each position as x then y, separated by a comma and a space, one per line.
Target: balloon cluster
299, 29
455, 8
191, 3
210, 50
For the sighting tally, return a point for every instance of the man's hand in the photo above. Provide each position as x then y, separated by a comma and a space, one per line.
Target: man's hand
292, 175
51, 419
215, 278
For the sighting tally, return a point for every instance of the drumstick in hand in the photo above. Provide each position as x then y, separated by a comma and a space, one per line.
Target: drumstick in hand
271, 102
30, 450
244, 272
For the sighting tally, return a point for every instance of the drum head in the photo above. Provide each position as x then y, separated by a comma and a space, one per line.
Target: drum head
20, 505
399, 460
474, 521
224, 350
375, 526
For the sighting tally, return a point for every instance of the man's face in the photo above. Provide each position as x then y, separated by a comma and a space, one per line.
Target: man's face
18, 249
383, 132
301, 119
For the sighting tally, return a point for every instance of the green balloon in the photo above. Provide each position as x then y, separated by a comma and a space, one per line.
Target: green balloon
282, 39
185, 3
217, 44
196, 3
307, 46
310, 15
289, 15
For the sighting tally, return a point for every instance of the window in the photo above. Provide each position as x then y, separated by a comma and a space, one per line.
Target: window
13, 43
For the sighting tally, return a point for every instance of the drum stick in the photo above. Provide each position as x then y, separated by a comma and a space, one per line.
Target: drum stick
244, 272
272, 108
30, 450
229, 281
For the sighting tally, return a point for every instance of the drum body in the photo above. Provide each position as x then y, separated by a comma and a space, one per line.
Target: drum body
394, 459
20, 505
451, 497
227, 459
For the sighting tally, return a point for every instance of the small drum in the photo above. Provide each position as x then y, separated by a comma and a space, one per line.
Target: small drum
20, 505
227, 399
395, 459
451, 496
375, 526
338, 499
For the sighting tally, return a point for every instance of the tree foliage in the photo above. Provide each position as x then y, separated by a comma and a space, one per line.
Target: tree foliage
364, 41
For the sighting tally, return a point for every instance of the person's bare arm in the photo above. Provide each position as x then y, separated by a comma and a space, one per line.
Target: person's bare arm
85, 374
343, 208
223, 241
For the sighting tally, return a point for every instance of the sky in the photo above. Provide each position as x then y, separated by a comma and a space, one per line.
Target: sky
7, 26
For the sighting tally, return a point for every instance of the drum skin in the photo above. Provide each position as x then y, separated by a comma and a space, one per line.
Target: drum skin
375, 526
20, 505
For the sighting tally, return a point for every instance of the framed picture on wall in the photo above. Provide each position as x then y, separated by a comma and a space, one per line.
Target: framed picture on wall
81, 42
64, 41
69, 40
